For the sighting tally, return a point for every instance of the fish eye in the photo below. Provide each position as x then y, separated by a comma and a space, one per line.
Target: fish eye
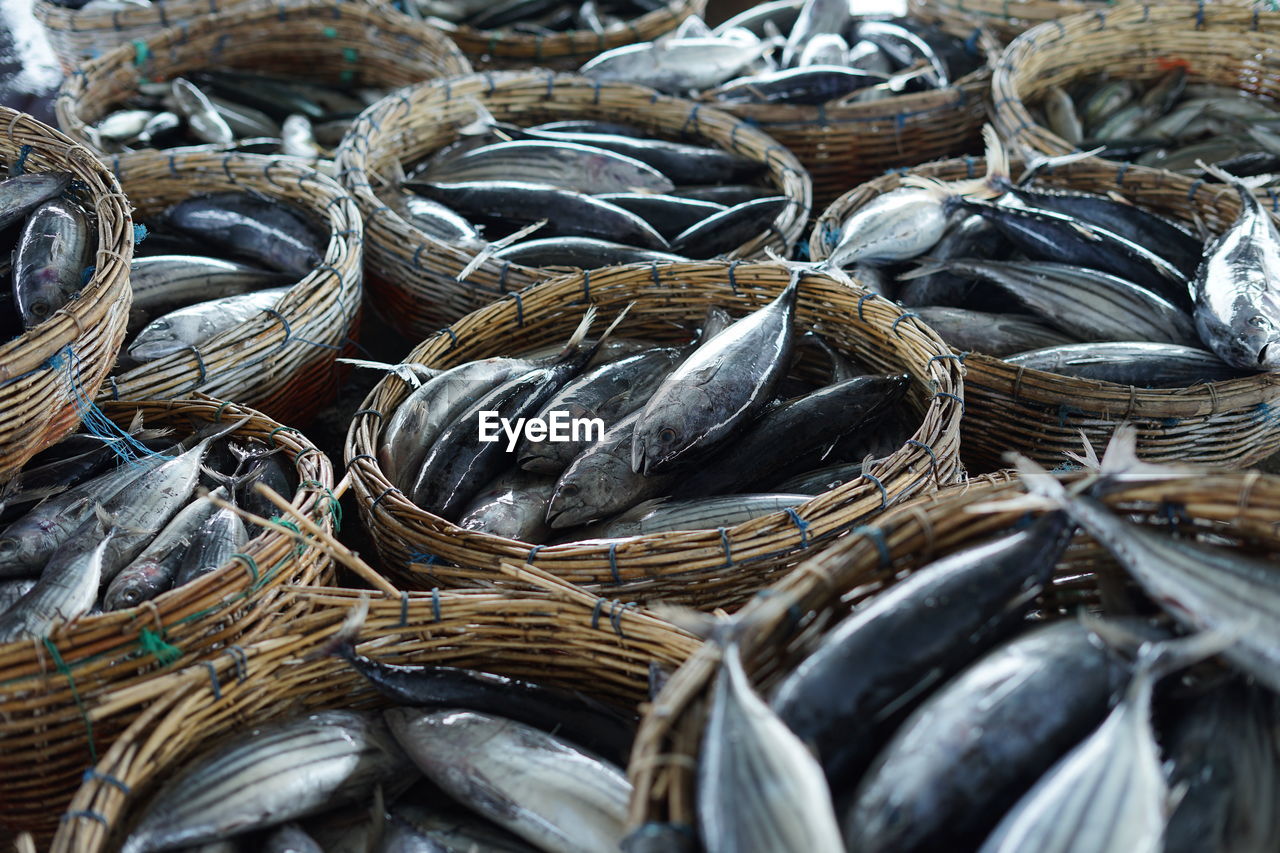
40, 308
568, 490
666, 435
1258, 321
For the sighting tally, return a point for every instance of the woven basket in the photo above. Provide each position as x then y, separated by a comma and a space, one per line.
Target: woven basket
49, 373
281, 362
1041, 414
566, 51
1006, 19
1227, 44
322, 41
64, 700
413, 277
664, 758
842, 146
568, 639
709, 568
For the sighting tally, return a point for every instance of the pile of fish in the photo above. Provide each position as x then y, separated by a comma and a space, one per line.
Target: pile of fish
1071, 282
706, 435
531, 17
183, 295
49, 242
88, 533
949, 712
465, 761
224, 109
1169, 124
827, 55
585, 194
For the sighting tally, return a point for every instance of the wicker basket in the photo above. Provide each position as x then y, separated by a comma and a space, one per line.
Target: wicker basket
64, 700
568, 639
49, 374
664, 758
413, 277
709, 568
1041, 414
842, 146
283, 361
324, 41
1226, 43
1006, 19
566, 51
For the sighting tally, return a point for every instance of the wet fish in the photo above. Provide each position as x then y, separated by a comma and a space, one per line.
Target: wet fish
201, 115
220, 536
437, 219
906, 48
758, 787
678, 162
62, 594
824, 49
1061, 112
969, 752
195, 325
290, 838
12, 590
1237, 304
21, 194
266, 231
413, 828
268, 776
49, 263
809, 84
162, 283
1109, 793
665, 516
1140, 363
583, 252
821, 480
609, 392
531, 783
297, 139
728, 230
669, 214
513, 506
584, 168
994, 334
245, 121
794, 435
717, 389
674, 66
876, 665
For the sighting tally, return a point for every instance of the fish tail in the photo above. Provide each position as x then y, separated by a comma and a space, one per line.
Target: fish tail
343, 643
616, 321
927, 266
496, 246
1120, 462
1043, 491
482, 123
1037, 163
1156, 659
1244, 186
997, 162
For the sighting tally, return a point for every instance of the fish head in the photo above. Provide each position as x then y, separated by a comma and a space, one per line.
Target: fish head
570, 504
1244, 337
133, 589
667, 430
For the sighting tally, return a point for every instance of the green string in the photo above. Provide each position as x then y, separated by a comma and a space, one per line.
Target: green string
154, 644
299, 548
62, 667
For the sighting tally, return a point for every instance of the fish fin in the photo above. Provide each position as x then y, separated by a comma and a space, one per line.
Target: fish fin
1120, 462
410, 372
482, 123
998, 167
497, 245
933, 185
1037, 162
1089, 461
343, 642
604, 336
1044, 492
580, 333
103, 517
927, 266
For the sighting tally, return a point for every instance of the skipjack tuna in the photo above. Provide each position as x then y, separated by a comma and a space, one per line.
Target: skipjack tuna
829, 55
680, 428
956, 709
183, 297
96, 536
1072, 282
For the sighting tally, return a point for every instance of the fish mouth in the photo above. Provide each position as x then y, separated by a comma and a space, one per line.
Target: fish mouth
1262, 354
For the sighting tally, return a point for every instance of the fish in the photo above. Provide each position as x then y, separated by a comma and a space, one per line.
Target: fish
568, 213
459, 463
820, 480
965, 756
1061, 112
433, 406
414, 828
790, 437
65, 591
1140, 363
568, 165
1237, 306
816, 18
998, 335
12, 590
665, 516
1223, 750
162, 283
202, 116
20, 195
678, 162
245, 121
513, 506
297, 139
533, 784
49, 264
155, 569
195, 325
810, 85
609, 392
1085, 304
876, 665
758, 787
270, 775
824, 49
718, 389
438, 220
1109, 793
673, 66
906, 48
668, 214
264, 231
221, 536
290, 838
602, 481
725, 231
582, 252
